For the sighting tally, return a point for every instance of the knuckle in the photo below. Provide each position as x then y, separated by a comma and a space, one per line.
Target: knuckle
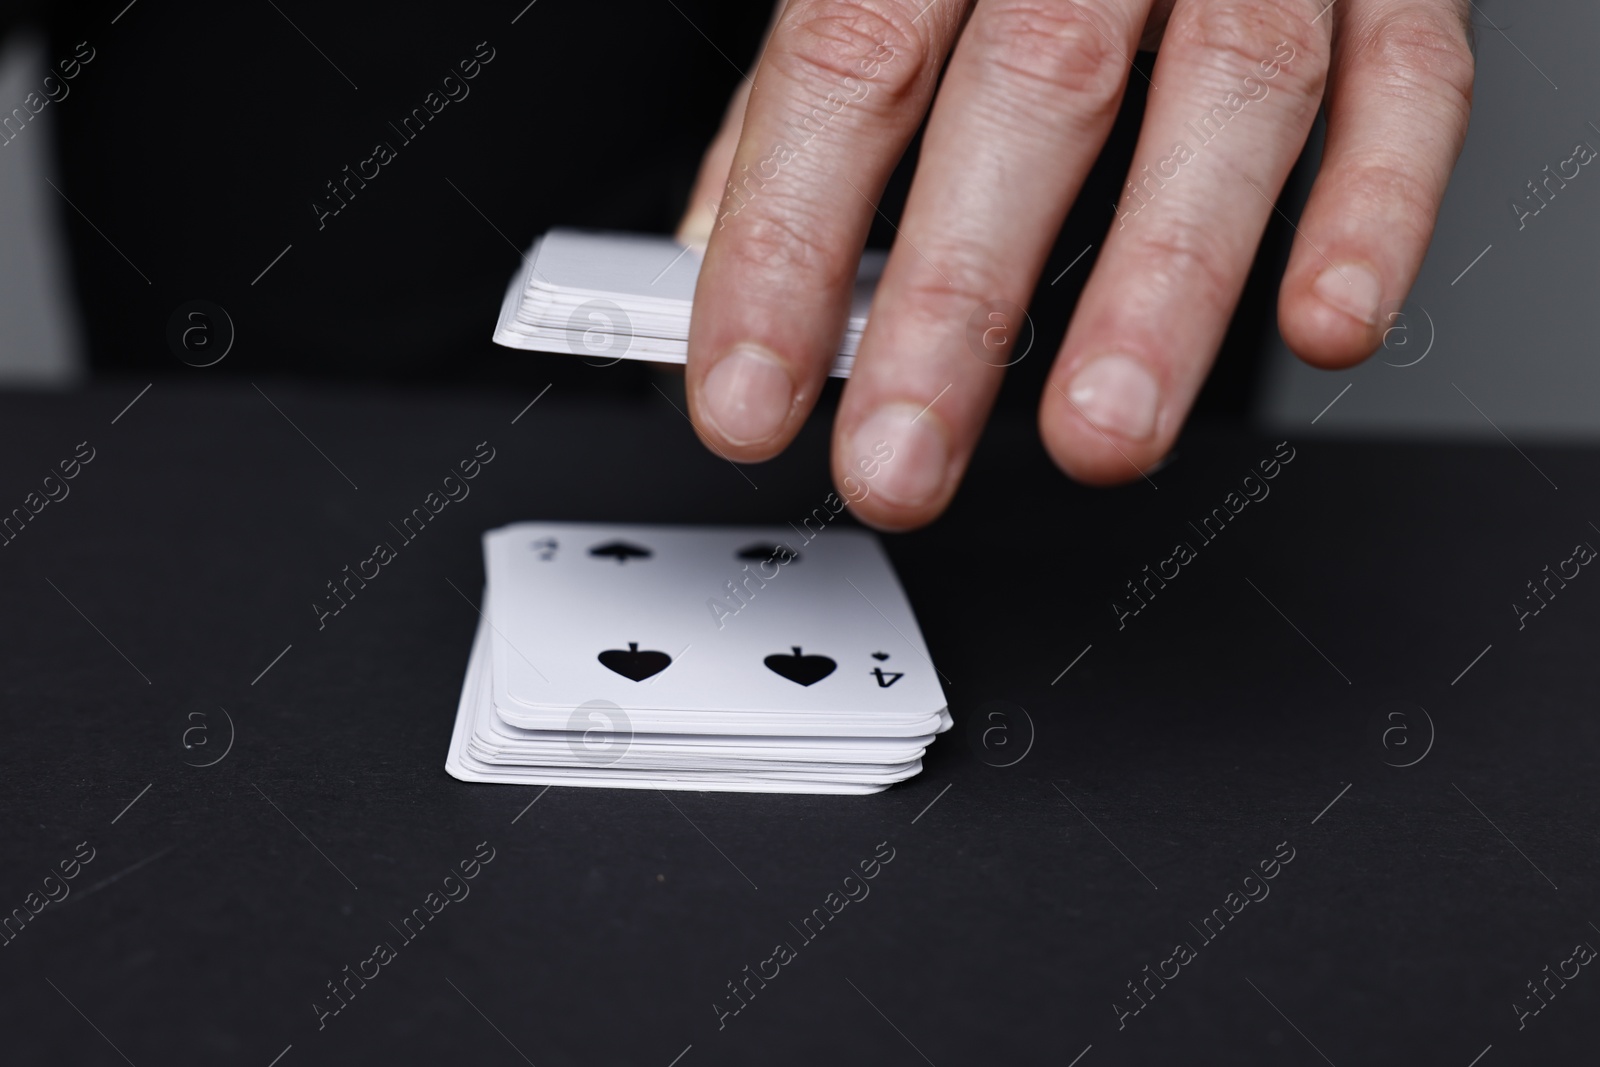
837, 46
947, 301
1422, 49
1184, 254
1257, 35
1056, 50
784, 242
1391, 193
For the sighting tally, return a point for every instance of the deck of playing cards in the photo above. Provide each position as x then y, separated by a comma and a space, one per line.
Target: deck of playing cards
612, 296
687, 657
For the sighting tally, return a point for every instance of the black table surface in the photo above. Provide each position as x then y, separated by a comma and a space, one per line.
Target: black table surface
1339, 677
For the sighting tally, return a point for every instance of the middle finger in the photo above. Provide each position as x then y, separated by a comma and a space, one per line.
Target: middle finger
1031, 93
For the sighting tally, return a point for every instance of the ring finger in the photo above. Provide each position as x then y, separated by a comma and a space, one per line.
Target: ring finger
1240, 82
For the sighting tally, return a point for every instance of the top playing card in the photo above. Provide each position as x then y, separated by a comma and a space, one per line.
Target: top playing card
611, 296
735, 621
616, 265
630, 267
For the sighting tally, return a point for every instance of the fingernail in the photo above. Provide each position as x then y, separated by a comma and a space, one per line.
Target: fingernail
747, 395
1352, 289
1118, 395
915, 471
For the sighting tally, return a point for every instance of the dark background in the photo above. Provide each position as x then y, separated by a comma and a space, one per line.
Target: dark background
202, 134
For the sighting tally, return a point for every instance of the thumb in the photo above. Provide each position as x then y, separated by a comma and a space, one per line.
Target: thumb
700, 214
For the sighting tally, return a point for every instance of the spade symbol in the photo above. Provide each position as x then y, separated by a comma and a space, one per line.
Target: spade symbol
777, 553
880, 656
635, 664
621, 551
806, 670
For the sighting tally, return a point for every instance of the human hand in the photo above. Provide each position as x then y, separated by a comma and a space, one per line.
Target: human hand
1028, 98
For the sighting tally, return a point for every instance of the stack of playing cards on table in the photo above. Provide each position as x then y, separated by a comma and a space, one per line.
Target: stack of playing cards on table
686, 657
611, 296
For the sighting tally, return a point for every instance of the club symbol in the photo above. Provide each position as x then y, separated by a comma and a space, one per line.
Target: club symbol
631, 663
621, 551
800, 668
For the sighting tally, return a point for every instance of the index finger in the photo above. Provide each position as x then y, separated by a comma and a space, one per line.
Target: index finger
840, 91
